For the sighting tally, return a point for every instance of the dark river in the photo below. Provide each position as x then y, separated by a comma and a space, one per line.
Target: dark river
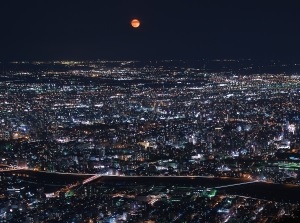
261, 190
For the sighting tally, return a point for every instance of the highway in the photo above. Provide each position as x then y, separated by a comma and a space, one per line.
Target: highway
16, 169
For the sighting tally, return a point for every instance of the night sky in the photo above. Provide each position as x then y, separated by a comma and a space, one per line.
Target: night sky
170, 29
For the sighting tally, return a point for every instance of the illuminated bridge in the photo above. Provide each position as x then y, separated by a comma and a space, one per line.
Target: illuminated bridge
233, 185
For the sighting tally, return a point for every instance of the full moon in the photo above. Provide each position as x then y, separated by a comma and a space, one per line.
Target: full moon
135, 23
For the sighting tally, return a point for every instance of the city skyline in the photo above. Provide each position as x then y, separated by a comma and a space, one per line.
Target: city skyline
128, 141
149, 111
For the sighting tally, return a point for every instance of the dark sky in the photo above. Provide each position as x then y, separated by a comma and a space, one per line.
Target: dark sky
63, 29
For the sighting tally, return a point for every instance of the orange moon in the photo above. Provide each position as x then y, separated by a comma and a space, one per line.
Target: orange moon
135, 23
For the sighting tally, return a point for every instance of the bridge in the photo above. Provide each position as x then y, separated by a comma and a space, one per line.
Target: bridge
88, 180
233, 185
